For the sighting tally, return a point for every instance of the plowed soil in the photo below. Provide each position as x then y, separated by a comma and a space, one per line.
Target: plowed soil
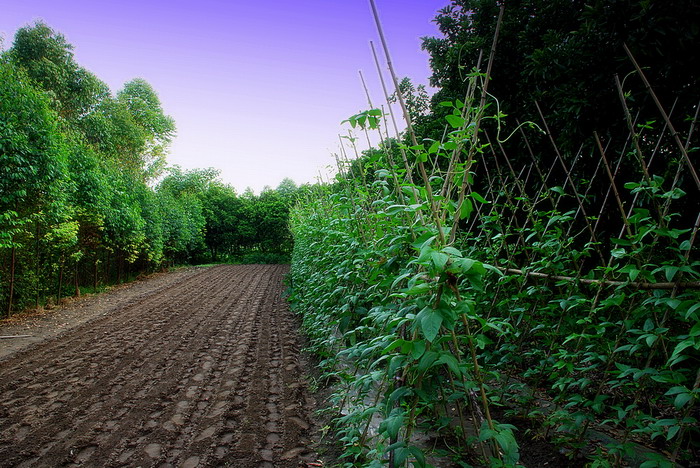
202, 370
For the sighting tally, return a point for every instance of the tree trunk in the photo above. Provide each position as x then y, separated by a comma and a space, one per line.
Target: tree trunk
37, 263
94, 278
120, 264
60, 283
77, 281
12, 282
106, 272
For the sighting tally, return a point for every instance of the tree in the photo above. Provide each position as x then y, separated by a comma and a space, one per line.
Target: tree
144, 106
564, 54
48, 60
112, 131
33, 182
184, 216
415, 97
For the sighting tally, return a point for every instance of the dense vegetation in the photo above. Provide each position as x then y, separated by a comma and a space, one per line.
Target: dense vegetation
480, 284
86, 198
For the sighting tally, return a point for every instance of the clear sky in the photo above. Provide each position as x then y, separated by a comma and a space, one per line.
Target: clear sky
257, 88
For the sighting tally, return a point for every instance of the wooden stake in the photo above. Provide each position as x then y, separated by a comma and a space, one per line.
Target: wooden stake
409, 126
674, 134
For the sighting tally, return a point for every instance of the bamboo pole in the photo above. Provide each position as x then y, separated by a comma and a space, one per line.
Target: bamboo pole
477, 125
409, 125
407, 166
637, 147
613, 185
571, 182
674, 133
631, 284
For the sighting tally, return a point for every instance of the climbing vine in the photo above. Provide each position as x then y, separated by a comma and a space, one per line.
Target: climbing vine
472, 317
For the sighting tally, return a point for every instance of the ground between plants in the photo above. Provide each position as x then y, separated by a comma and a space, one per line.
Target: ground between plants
198, 368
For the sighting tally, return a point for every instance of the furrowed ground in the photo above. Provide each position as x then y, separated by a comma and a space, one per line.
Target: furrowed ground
197, 368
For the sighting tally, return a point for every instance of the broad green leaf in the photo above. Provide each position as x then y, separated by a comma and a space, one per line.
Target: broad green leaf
455, 121
430, 322
466, 209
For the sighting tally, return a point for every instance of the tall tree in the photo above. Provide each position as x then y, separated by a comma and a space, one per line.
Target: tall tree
33, 182
145, 108
48, 60
564, 54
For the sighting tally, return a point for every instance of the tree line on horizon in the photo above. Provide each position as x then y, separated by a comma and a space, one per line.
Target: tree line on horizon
86, 196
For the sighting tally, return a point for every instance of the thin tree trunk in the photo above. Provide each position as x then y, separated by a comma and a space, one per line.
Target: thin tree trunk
94, 278
106, 271
37, 263
60, 283
76, 281
12, 281
120, 265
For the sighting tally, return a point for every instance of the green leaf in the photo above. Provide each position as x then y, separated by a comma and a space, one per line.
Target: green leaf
451, 362
392, 424
455, 121
430, 322
418, 349
558, 190
681, 399
439, 260
466, 209
618, 253
672, 431
427, 361
478, 197
419, 456
452, 251
434, 147
670, 272
695, 331
418, 288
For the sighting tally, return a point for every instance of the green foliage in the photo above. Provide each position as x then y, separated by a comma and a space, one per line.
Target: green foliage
564, 55
48, 60
78, 204
249, 228
428, 315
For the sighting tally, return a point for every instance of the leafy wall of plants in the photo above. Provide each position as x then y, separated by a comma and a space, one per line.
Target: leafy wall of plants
449, 292
86, 198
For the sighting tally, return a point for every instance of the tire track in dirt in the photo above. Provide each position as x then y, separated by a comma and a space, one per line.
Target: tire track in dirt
205, 372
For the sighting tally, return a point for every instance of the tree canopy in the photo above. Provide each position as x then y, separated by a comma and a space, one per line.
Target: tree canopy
86, 197
565, 54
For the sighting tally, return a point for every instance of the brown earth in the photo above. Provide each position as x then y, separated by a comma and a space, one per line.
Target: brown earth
192, 369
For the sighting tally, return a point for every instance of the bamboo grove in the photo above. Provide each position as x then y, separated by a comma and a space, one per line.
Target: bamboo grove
86, 198
489, 286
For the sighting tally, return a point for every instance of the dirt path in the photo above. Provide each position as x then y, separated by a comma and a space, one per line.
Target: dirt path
202, 371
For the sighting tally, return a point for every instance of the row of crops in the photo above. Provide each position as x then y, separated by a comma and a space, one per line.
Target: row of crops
454, 296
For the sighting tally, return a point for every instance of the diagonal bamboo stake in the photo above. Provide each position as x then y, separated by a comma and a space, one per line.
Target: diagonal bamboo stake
477, 125
613, 185
543, 178
637, 147
677, 177
454, 160
674, 134
387, 151
571, 183
407, 117
607, 192
407, 166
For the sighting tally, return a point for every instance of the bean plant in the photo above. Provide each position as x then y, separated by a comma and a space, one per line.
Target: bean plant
447, 301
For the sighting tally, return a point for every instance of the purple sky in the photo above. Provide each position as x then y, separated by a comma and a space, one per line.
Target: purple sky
257, 88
